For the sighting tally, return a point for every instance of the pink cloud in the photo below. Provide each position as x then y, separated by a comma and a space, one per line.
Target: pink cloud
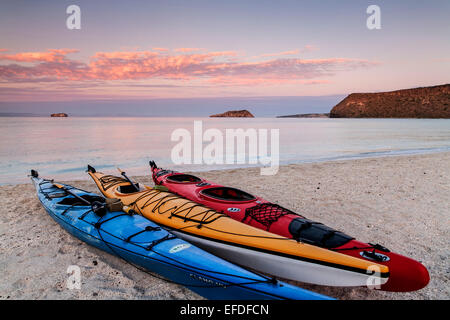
213, 67
306, 48
186, 50
288, 68
125, 55
309, 47
161, 49
232, 81
284, 53
48, 56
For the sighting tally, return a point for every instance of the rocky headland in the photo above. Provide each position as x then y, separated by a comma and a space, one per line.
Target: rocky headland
424, 102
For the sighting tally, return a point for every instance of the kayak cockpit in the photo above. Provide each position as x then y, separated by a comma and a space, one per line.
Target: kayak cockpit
183, 178
227, 194
72, 201
128, 188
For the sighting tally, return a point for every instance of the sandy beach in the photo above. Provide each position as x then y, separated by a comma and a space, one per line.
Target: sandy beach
401, 202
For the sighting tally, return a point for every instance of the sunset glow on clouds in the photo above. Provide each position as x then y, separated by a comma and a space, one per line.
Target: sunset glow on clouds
141, 50
306, 48
48, 56
182, 67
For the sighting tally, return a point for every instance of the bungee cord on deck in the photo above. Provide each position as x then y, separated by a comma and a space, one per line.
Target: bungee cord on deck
184, 212
203, 272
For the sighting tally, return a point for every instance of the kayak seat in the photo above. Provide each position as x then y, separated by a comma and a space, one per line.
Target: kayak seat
227, 194
184, 178
72, 201
128, 188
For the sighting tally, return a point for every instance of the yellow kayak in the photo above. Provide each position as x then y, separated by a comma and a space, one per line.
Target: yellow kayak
239, 242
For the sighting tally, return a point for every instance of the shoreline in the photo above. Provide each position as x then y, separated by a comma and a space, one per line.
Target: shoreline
358, 156
401, 202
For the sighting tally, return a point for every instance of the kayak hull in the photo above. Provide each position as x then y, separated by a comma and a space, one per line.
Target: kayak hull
276, 265
406, 274
228, 238
173, 259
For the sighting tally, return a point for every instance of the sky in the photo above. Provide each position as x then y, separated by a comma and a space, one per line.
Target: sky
200, 57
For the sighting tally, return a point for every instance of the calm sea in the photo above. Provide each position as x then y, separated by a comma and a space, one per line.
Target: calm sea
62, 147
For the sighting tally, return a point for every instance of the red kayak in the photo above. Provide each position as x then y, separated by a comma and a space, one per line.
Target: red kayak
406, 274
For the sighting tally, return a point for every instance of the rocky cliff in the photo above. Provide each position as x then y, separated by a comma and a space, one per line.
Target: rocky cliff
426, 102
234, 114
307, 115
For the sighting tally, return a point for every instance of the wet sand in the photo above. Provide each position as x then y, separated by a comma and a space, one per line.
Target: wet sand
401, 202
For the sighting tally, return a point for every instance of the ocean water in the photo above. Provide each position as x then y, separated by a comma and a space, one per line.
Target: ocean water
61, 148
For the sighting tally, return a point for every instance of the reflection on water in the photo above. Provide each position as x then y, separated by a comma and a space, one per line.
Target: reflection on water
61, 147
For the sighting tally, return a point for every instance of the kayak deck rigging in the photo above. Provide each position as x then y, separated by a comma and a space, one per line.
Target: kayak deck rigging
51, 197
184, 211
216, 232
157, 199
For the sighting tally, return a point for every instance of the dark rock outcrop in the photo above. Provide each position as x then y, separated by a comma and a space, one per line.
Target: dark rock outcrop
425, 102
307, 115
59, 115
234, 114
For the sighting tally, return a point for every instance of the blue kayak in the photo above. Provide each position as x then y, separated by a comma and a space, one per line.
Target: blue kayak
145, 244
